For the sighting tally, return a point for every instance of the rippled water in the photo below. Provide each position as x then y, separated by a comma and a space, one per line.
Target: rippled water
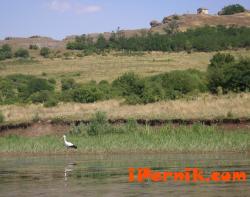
107, 175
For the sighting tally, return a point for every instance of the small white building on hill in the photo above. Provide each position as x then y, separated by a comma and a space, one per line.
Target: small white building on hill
202, 11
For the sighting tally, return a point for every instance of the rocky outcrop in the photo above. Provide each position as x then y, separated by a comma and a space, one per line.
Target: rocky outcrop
155, 23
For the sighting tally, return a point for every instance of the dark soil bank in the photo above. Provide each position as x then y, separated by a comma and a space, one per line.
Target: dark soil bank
58, 128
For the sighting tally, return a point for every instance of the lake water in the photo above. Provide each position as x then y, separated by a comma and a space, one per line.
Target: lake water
107, 175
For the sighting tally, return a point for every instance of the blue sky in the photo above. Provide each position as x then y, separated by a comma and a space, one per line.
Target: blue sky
59, 18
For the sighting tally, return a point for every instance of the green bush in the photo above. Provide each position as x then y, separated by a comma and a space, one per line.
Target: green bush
26, 85
41, 96
232, 9
51, 102
52, 81
231, 75
106, 89
45, 52
8, 93
178, 83
37, 85
129, 84
237, 76
98, 125
5, 52
33, 47
216, 70
68, 84
2, 118
23, 53
87, 94
153, 92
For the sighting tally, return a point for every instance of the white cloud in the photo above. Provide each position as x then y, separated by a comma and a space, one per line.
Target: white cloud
60, 6
88, 9
73, 6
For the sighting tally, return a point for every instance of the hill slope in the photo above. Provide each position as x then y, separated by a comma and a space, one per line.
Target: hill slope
187, 21
184, 22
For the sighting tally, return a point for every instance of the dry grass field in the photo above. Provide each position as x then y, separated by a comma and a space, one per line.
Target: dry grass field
203, 107
109, 67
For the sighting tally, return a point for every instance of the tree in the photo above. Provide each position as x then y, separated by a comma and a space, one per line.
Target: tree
216, 68
232, 9
23, 53
101, 42
45, 51
5, 52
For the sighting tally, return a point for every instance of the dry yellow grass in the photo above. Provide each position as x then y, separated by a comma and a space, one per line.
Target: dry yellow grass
203, 107
110, 67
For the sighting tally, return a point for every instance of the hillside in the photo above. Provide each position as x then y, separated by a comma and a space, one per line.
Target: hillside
184, 22
187, 21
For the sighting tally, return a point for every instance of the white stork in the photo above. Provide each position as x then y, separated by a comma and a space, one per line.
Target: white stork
68, 144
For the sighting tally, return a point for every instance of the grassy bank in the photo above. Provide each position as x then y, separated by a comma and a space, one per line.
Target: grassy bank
101, 137
202, 107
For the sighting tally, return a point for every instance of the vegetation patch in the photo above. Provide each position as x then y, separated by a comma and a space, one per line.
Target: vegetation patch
2, 118
232, 9
203, 39
225, 74
101, 137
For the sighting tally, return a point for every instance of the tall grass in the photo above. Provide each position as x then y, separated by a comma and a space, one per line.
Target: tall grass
2, 118
132, 138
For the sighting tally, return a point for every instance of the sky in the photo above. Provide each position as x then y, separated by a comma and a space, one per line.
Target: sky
61, 18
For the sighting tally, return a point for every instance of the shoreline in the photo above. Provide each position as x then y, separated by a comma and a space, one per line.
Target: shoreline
61, 126
101, 137
81, 153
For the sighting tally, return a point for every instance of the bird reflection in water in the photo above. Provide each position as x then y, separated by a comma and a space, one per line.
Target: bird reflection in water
69, 168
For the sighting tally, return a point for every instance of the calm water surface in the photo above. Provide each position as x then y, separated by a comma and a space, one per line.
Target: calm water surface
107, 175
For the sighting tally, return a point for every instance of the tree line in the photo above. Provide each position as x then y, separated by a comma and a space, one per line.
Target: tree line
202, 39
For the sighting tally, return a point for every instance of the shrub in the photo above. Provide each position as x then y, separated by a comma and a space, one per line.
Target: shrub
106, 89
78, 130
37, 85
232, 9
41, 96
33, 47
5, 52
66, 96
237, 76
51, 102
179, 83
23, 53
45, 52
87, 94
1, 117
8, 93
99, 124
231, 75
52, 81
216, 70
101, 43
153, 92
128, 84
68, 84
